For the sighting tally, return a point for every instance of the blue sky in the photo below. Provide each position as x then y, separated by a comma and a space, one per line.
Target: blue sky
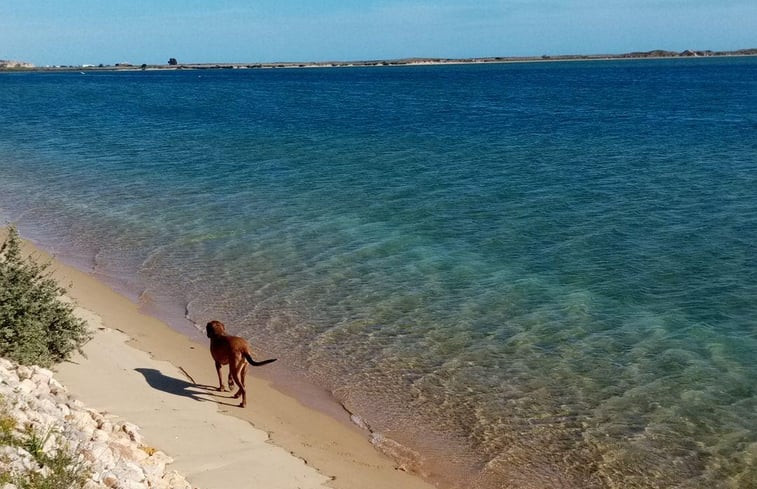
140, 31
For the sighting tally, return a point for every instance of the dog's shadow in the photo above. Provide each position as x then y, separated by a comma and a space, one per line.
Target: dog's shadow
179, 387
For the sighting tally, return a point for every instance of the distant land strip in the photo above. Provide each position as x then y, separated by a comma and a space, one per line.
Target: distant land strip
173, 64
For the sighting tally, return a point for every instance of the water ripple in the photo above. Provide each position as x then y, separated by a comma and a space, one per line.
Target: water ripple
521, 276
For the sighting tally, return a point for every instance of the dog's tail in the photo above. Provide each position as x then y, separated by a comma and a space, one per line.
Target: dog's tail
258, 364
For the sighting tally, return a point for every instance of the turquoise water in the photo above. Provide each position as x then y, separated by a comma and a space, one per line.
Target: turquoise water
525, 275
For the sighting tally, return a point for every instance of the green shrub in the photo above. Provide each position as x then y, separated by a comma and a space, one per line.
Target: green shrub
36, 327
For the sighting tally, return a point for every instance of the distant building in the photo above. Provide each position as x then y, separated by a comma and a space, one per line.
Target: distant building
6, 64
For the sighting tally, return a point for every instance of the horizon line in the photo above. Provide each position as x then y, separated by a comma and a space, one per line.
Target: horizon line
17, 63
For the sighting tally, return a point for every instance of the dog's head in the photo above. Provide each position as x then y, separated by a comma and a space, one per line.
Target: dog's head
215, 329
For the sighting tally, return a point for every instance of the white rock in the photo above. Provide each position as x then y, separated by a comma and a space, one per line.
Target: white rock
48, 406
109, 448
110, 480
133, 431
44, 471
26, 386
130, 484
139, 456
125, 450
101, 453
40, 420
129, 471
23, 372
19, 414
6, 373
97, 418
100, 435
174, 480
41, 391
56, 387
5, 389
51, 443
62, 409
75, 404
17, 460
81, 420
41, 376
155, 466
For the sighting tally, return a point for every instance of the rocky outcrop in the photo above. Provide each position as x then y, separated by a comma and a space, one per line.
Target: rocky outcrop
38, 420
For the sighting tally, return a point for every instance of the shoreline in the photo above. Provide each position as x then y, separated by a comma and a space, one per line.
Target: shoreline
318, 434
416, 61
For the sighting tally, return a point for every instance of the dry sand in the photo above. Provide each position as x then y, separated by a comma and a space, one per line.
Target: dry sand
139, 369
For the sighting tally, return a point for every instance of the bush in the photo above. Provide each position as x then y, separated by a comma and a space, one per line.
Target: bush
36, 327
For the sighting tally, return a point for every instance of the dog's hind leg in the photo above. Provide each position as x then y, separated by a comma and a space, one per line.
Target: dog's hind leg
241, 381
236, 370
243, 375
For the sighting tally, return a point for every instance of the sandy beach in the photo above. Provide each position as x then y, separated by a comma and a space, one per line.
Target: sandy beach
138, 368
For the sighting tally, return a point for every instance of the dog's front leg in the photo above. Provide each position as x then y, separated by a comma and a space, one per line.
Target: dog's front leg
220, 380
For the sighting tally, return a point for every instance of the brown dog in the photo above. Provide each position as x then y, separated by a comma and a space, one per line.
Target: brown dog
235, 352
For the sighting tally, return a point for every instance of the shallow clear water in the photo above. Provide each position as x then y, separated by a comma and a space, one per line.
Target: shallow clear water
525, 275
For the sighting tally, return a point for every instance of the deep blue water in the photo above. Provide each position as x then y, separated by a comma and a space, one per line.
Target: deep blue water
521, 275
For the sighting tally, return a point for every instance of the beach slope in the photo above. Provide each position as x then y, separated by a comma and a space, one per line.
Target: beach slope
145, 372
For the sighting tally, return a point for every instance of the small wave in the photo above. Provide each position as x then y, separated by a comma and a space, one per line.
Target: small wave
359, 422
405, 458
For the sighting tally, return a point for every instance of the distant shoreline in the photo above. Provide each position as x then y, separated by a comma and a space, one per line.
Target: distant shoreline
16, 66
